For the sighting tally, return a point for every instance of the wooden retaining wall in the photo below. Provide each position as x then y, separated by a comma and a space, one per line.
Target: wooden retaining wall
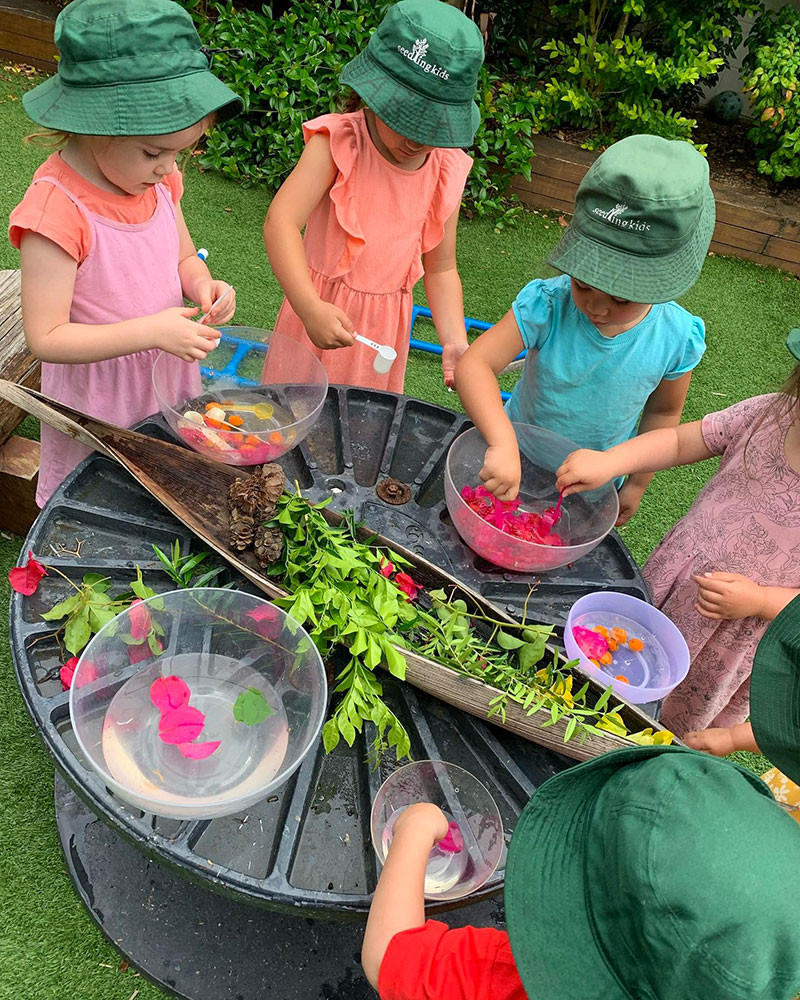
759, 228
26, 33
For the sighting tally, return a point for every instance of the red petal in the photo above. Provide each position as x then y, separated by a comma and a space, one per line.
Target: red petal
140, 619
198, 751
387, 568
25, 579
170, 692
267, 620
138, 654
407, 585
453, 841
181, 725
67, 672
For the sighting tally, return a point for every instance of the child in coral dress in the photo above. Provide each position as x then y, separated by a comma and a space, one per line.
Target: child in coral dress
729, 566
378, 191
105, 254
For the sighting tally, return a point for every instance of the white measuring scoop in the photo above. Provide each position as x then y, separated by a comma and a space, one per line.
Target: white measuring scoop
385, 356
204, 318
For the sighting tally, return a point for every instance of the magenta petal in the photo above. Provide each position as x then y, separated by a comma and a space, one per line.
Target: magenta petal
453, 842
198, 751
181, 725
169, 692
589, 642
140, 619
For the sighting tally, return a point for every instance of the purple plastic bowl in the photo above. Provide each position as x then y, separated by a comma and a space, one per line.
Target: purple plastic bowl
648, 681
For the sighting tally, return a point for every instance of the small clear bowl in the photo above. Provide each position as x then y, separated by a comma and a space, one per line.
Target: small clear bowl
272, 387
450, 874
222, 655
586, 518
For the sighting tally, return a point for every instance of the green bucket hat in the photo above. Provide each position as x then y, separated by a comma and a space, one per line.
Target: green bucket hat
643, 220
419, 73
128, 67
775, 692
793, 343
629, 878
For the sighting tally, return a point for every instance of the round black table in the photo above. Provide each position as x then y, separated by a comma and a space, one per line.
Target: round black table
304, 853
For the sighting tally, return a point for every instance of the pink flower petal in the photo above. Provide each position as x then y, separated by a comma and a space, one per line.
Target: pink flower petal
67, 672
198, 751
453, 842
409, 587
138, 654
25, 579
267, 619
181, 725
590, 643
169, 692
386, 567
140, 619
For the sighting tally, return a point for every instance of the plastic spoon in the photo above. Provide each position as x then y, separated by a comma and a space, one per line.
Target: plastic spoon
385, 355
262, 410
222, 297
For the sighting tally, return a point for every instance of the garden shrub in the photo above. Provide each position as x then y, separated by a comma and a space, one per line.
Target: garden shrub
771, 71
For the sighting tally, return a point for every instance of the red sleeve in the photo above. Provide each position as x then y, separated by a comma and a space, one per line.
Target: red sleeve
433, 962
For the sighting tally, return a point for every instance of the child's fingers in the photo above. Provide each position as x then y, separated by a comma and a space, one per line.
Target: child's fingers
712, 585
714, 615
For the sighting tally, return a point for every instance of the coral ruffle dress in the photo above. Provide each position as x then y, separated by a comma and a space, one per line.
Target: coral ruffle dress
364, 243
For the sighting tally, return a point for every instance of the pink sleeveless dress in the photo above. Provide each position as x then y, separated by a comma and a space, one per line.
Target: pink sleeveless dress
130, 271
364, 243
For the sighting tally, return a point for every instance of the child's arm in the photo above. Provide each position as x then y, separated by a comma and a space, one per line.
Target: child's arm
196, 281
662, 409
731, 595
476, 381
327, 325
399, 900
48, 281
721, 742
660, 449
446, 298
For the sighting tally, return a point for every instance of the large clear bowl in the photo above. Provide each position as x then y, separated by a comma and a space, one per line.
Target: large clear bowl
229, 663
586, 518
249, 368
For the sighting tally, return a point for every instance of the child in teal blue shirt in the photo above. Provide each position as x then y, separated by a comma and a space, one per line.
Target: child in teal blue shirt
609, 353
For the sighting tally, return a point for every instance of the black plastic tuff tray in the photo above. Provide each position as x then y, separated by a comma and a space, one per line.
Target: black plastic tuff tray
306, 848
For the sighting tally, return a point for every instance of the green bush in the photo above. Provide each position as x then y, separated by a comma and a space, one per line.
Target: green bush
771, 72
630, 60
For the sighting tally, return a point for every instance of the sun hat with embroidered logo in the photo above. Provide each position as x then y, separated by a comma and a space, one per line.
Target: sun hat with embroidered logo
128, 67
419, 73
642, 221
628, 878
775, 692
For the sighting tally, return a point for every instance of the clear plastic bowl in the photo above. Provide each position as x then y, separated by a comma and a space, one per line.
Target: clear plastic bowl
586, 518
230, 654
293, 392
451, 874
649, 674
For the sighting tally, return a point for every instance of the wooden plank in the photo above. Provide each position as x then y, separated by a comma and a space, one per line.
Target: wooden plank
735, 236
765, 260
787, 250
19, 473
26, 47
45, 65
17, 364
548, 166
537, 200
563, 191
28, 23
747, 218
790, 230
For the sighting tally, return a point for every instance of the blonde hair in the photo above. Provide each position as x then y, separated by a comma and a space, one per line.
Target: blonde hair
50, 138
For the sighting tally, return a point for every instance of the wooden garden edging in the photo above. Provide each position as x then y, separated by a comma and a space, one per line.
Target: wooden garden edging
26, 33
759, 228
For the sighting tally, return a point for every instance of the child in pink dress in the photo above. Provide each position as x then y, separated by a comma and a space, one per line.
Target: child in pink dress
729, 566
105, 254
378, 191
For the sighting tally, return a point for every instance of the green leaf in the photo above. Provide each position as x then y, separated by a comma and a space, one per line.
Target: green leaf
96, 581
77, 632
572, 725
251, 707
509, 641
330, 735
64, 607
98, 617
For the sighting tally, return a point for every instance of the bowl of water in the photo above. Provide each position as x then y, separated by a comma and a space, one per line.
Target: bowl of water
258, 395
469, 855
651, 657
584, 518
198, 703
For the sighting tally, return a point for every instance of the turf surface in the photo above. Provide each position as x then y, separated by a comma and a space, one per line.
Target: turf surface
49, 948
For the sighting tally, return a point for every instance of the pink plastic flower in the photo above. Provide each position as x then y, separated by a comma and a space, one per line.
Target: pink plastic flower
198, 751
67, 672
167, 693
386, 567
181, 725
453, 841
140, 620
409, 587
25, 579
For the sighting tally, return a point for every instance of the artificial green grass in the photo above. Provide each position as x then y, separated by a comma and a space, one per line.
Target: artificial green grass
49, 947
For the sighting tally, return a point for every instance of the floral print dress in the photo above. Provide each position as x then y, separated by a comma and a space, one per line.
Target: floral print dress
745, 520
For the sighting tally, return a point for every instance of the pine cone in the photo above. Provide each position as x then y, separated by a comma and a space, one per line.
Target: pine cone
273, 482
241, 529
244, 495
268, 545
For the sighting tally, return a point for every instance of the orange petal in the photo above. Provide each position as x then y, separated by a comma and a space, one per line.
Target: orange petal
623, 678
636, 645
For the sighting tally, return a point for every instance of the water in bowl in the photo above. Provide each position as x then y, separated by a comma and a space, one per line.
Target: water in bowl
252, 423
247, 758
647, 668
444, 870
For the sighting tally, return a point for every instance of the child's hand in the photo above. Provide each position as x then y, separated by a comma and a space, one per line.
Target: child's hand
328, 327
630, 496
582, 470
174, 332
728, 595
501, 471
718, 742
450, 355
208, 292
424, 821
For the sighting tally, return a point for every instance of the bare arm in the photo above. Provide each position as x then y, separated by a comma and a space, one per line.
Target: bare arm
48, 282
399, 900
326, 324
446, 298
476, 381
662, 409
196, 281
